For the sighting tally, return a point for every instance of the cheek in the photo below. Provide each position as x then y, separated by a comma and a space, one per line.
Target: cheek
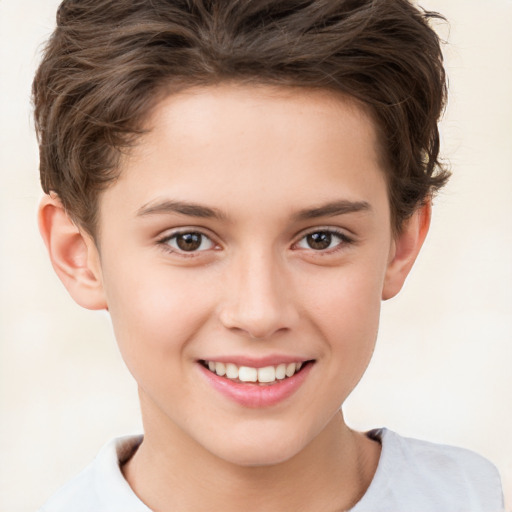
155, 314
352, 326
348, 298
344, 308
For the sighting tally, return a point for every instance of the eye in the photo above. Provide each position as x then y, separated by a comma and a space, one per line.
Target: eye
323, 240
189, 241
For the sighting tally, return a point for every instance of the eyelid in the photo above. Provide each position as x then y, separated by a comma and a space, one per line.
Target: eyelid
169, 234
345, 238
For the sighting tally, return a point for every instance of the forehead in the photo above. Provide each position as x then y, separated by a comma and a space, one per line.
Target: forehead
241, 144
228, 110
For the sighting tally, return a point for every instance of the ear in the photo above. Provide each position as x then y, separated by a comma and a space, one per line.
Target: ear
405, 249
73, 254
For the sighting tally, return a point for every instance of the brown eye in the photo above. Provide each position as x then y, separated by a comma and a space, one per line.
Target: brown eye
320, 240
324, 240
189, 242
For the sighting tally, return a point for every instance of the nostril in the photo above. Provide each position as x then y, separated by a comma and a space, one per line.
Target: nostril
258, 324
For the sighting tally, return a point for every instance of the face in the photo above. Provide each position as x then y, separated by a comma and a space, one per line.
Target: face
249, 233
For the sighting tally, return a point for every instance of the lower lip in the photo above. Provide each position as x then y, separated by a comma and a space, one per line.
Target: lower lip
257, 395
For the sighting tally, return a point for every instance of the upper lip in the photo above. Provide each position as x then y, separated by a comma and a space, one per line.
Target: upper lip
257, 362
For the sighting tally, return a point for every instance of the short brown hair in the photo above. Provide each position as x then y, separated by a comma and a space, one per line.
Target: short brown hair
108, 62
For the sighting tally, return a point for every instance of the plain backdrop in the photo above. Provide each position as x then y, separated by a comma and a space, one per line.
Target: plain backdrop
443, 366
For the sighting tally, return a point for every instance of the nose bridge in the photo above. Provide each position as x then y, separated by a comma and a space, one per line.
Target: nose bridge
258, 299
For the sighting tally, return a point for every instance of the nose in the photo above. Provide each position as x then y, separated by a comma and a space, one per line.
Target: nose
259, 300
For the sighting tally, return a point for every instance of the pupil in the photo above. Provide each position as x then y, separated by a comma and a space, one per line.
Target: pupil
320, 240
189, 241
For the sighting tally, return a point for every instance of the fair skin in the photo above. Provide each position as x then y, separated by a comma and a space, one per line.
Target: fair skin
250, 225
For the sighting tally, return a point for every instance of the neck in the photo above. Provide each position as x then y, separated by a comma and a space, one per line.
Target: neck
170, 472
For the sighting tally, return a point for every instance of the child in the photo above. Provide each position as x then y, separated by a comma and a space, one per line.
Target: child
240, 184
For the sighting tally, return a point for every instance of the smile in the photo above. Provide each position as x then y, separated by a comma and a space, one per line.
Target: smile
258, 386
264, 375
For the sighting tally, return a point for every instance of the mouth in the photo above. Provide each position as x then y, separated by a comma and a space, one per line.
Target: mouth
263, 376
256, 383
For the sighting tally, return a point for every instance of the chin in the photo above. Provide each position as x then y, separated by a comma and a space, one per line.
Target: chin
258, 451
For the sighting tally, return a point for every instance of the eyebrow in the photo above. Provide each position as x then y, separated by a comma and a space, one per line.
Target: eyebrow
184, 208
333, 209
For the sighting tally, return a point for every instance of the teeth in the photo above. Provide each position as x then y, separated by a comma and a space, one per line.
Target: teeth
231, 371
220, 368
290, 369
246, 374
266, 374
281, 371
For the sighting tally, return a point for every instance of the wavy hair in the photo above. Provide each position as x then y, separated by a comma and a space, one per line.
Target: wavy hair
108, 63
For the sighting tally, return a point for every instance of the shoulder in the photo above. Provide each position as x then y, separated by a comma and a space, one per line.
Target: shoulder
428, 477
100, 487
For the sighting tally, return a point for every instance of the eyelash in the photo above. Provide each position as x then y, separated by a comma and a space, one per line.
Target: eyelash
343, 241
164, 243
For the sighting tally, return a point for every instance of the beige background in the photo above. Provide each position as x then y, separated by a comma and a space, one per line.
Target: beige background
443, 367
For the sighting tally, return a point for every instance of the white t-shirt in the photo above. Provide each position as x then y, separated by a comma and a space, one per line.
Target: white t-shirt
411, 476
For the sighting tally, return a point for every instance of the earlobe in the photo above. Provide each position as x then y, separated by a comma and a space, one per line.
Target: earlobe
73, 254
406, 248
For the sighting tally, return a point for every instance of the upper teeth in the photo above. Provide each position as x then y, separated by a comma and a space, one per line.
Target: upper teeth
249, 374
